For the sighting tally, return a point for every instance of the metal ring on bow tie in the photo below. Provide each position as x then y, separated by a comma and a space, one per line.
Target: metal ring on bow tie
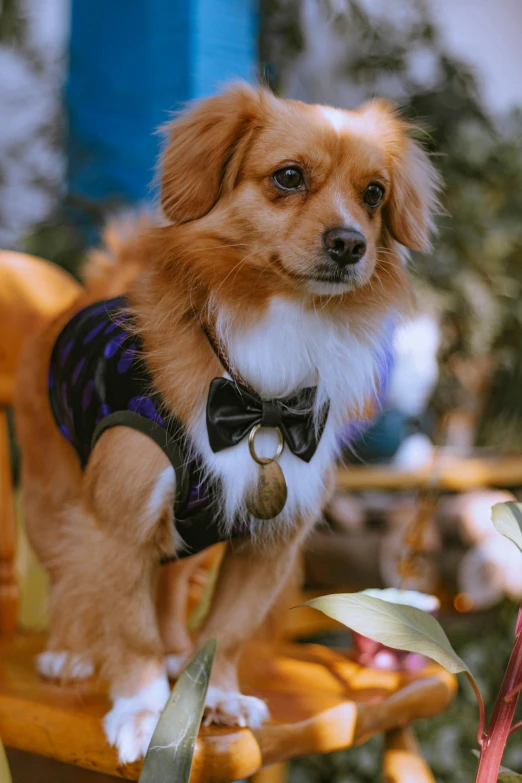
251, 445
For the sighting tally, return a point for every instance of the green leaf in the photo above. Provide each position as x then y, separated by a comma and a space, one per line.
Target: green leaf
507, 518
400, 626
395, 625
508, 776
171, 749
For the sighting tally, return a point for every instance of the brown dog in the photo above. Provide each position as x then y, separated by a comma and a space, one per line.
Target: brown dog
285, 236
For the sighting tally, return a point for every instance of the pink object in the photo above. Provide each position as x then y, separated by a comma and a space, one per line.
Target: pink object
378, 656
367, 652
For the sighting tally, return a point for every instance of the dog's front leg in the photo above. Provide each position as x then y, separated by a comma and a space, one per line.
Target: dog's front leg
172, 599
251, 576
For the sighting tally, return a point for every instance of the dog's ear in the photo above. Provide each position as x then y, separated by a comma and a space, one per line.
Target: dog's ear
413, 199
204, 151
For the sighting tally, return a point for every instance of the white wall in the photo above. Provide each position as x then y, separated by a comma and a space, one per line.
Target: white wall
489, 34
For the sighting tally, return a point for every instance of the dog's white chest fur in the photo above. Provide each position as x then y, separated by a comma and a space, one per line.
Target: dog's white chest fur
288, 349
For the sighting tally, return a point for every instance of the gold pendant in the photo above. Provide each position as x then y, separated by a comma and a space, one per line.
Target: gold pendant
269, 498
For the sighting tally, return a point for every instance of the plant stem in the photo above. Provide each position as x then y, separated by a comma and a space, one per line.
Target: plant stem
513, 692
518, 627
502, 718
482, 719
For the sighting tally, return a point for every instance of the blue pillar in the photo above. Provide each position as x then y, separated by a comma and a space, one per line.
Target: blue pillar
131, 63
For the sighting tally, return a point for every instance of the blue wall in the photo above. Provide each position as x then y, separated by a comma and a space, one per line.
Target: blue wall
131, 63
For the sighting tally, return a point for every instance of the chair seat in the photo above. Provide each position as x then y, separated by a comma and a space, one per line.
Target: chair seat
319, 700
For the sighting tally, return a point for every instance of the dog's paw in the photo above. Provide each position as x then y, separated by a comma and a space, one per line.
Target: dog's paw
63, 665
130, 732
230, 708
176, 663
130, 724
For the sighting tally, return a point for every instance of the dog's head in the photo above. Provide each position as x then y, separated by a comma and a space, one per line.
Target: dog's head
307, 199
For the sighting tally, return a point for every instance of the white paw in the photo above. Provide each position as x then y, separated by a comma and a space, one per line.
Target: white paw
64, 665
176, 663
130, 724
233, 709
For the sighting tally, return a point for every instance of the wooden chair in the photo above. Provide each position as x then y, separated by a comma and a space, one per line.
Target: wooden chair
32, 292
320, 700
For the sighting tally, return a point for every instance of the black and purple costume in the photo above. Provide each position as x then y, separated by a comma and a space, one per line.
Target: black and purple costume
98, 380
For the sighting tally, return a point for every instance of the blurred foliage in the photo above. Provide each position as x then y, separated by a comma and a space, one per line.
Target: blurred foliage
485, 643
59, 241
10, 21
75, 225
31, 128
475, 272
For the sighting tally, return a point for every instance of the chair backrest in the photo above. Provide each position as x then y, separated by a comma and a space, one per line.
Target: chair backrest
32, 292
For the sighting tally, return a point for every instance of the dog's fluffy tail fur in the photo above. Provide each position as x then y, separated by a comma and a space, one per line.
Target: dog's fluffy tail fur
110, 269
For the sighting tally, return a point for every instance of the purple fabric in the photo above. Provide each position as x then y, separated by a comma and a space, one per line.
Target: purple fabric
97, 370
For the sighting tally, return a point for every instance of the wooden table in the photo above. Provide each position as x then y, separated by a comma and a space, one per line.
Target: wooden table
451, 474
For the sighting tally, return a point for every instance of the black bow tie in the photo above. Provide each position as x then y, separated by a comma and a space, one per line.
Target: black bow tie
233, 409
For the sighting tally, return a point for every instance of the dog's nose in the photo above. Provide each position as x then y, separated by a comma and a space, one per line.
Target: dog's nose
344, 245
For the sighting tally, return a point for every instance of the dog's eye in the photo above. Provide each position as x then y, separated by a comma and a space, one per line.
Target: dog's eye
373, 195
288, 179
